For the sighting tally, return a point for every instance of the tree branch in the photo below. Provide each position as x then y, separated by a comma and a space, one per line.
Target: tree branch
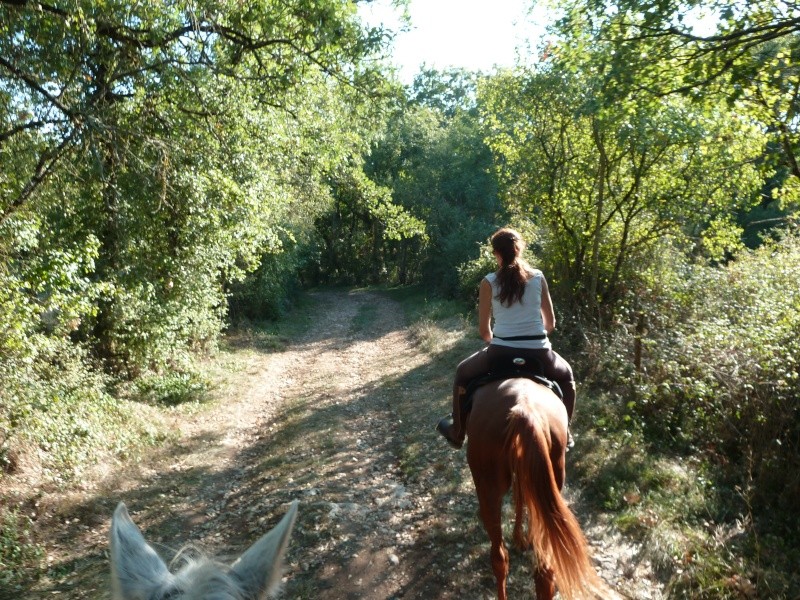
44, 7
34, 85
4, 135
46, 162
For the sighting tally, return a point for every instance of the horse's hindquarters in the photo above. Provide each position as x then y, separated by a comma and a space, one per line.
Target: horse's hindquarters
516, 434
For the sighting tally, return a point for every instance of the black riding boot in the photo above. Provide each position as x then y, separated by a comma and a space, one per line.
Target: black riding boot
454, 426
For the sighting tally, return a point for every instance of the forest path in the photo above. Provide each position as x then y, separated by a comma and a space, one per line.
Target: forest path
342, 420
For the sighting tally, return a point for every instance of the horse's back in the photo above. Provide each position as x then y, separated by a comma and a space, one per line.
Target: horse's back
493, 403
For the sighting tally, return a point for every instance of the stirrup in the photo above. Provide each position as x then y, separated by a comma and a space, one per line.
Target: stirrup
445, 428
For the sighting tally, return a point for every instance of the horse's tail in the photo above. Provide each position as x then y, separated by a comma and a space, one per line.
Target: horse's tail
553, 531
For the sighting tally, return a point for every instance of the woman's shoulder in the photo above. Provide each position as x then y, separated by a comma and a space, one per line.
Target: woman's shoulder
491, 277
534, 273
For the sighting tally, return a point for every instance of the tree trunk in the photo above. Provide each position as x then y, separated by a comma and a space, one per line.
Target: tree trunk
594, 274
109, 231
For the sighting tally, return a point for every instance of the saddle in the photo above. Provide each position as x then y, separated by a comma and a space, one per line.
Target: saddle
511, 368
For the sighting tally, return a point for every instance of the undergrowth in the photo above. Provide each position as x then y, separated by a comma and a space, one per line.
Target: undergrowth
20, 555
437, 324
707, 534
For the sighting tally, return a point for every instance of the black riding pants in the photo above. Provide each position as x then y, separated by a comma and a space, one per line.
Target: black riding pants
554, 367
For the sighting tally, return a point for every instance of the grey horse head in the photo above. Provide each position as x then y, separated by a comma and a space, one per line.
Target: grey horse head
139, 573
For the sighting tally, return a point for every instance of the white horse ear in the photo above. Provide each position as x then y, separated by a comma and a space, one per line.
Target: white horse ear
137, 571
259, 568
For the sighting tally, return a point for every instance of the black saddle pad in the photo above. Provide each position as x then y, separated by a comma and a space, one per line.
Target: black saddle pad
511, 368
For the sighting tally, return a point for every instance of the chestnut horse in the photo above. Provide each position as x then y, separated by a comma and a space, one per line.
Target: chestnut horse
517, 432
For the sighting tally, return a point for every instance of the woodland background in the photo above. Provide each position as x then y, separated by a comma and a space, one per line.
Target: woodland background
171, 170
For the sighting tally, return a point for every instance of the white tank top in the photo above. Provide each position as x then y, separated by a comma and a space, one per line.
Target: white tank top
523, 318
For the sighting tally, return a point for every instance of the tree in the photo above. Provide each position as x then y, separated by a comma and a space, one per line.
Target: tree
750, 60
160, 146
426, 197
65, 66
360, 233
433, 157
450, 92
608, 183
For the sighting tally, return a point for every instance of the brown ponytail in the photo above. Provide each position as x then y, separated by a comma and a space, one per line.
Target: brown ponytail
513, 272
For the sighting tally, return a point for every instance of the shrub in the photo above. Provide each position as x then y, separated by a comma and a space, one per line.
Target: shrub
57, 411
727, 373
19, 554
171, 389
706, 364
267, 292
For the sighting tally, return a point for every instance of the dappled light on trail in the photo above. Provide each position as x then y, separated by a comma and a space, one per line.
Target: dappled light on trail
341, 419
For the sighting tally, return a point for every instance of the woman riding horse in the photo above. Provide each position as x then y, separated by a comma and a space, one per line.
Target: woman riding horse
519, 299
519, 430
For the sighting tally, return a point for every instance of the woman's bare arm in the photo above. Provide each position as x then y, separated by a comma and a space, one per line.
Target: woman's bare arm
548, 315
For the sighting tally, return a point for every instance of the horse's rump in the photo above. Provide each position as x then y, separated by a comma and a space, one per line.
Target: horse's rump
504, 367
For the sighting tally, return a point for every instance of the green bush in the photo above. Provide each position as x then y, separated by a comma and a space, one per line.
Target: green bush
19, 554
266, 293
705, 366
57, 413
454, 244
726, 374
471, 273
171, 389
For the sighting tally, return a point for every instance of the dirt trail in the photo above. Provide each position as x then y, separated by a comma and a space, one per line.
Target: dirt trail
343, 421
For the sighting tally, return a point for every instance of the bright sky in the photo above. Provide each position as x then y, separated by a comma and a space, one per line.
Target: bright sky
473, 34
476, 34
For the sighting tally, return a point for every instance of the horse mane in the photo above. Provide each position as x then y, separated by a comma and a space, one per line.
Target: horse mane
208, 578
